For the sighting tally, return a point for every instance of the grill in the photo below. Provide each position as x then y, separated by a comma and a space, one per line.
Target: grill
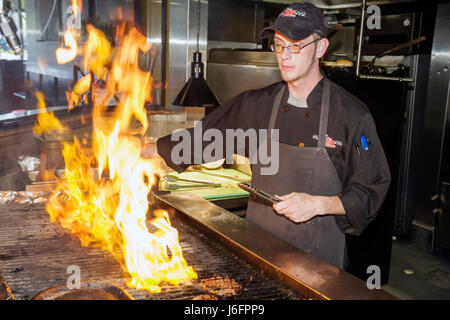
35, 255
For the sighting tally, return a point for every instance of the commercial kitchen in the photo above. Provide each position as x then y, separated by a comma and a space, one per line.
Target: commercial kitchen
85, 85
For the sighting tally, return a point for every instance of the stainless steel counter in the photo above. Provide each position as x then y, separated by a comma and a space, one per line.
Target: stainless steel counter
302, 272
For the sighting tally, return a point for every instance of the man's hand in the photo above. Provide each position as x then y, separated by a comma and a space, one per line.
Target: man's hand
301, 207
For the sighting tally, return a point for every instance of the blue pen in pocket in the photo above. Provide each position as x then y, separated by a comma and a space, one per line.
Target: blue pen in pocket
364, 143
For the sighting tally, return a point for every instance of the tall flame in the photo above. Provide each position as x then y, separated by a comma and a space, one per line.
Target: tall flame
77, 6
64, 55
46, 120
103, 198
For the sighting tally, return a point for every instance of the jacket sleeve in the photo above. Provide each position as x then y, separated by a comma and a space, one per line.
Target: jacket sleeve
366, 179
227, 116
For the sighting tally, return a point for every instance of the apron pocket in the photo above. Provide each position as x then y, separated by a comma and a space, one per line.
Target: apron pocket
307, 180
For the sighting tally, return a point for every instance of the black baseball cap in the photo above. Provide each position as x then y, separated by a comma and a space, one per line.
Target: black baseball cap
298, 21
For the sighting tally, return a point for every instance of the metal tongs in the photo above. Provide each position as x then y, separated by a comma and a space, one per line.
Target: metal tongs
172, 178
171, 183
257, 193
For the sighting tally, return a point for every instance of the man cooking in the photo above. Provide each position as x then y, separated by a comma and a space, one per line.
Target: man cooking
333, 175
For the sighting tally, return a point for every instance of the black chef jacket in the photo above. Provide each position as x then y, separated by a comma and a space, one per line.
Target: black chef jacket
364, 175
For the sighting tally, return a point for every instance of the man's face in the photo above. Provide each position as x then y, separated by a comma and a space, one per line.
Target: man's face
295, 66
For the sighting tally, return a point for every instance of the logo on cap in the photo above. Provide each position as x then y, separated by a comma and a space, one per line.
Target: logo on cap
292, 13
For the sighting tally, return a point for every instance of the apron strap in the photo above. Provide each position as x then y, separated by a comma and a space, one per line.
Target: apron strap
324, 114
276, 106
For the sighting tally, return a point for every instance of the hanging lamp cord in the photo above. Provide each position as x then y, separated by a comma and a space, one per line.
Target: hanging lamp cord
198, 25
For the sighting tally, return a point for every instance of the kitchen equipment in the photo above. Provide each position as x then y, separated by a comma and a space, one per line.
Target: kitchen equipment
52, 144
35, 255
258, 194
231, 72
196, 92
399, 47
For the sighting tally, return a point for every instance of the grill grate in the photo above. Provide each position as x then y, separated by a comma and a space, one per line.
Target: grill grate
35, 255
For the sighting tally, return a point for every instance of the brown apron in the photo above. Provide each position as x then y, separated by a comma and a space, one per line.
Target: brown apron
308, 170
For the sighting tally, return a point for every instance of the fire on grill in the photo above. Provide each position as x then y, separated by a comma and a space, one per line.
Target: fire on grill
111, 214
38, 260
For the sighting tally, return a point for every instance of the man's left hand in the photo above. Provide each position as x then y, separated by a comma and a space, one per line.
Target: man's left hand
300, 207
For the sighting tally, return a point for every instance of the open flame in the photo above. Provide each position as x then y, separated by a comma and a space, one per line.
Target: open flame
77, 6
64, 55
46, 120
103, 198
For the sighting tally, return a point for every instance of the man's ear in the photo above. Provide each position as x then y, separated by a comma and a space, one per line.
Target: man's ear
322, 47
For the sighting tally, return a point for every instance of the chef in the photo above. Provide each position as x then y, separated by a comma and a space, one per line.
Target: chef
333, 175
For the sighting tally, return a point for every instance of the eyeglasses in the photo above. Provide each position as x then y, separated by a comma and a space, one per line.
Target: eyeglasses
294, 49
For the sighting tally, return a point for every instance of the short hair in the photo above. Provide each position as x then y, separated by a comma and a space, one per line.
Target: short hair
316, 36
